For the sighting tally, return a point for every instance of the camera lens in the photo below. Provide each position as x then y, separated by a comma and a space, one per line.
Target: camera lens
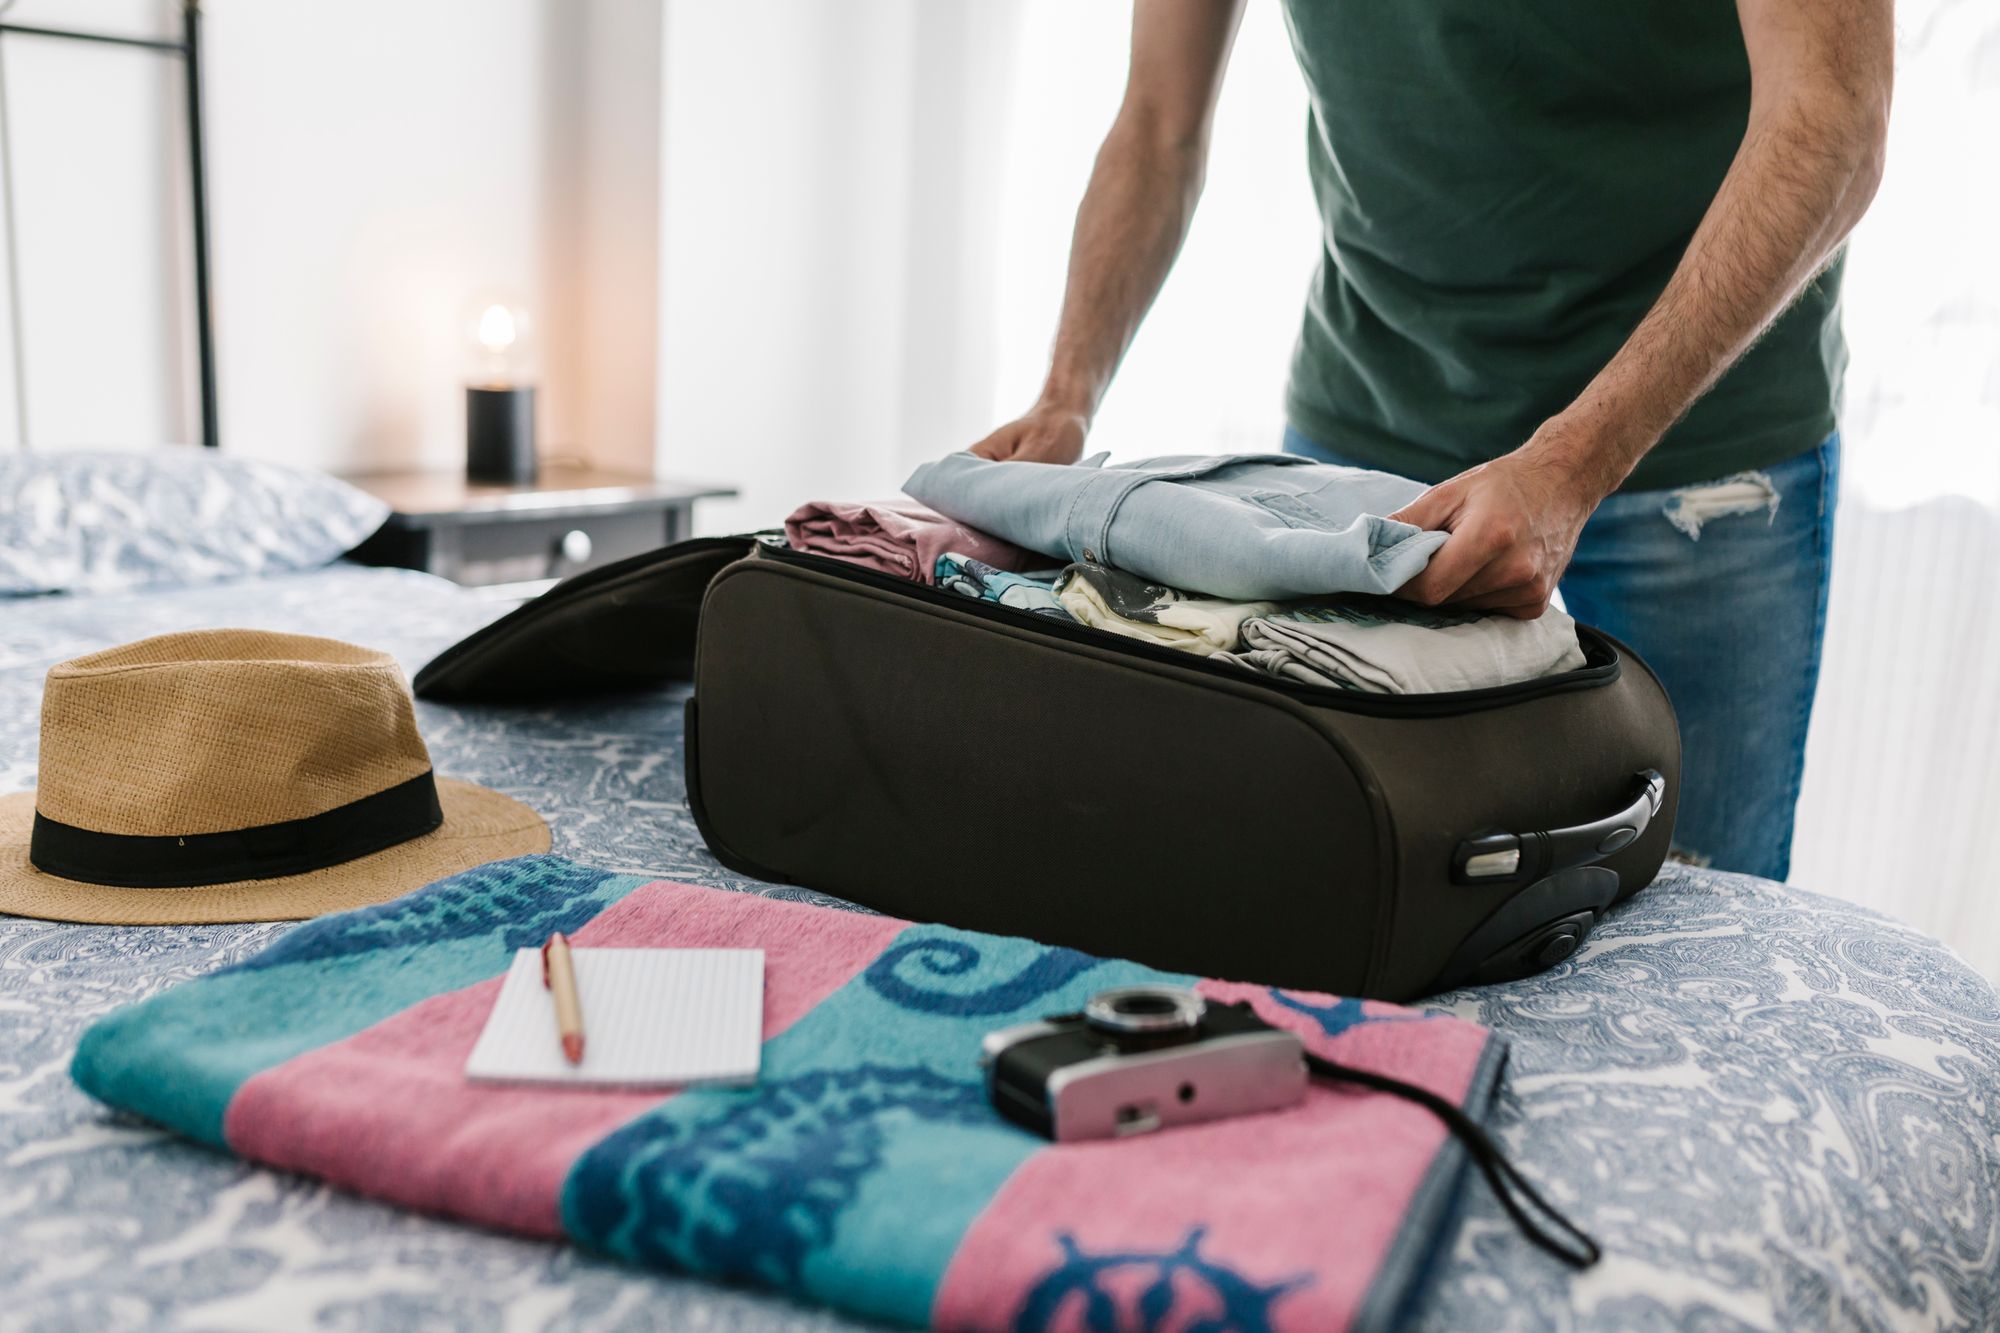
1144, 1009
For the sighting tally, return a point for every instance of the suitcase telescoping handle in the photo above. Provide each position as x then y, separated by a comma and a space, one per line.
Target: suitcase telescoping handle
1501, 858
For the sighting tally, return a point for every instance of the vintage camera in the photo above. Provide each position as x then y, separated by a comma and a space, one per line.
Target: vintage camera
1139, 1058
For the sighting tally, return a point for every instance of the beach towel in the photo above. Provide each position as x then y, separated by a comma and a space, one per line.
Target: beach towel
865, 1168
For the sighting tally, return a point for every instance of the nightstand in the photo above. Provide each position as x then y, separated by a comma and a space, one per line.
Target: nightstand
572, 519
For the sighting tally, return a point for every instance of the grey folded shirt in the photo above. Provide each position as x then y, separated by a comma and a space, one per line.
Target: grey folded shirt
1407, 650
1247, 527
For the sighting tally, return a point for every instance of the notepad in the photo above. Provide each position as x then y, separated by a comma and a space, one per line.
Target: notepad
651, 1017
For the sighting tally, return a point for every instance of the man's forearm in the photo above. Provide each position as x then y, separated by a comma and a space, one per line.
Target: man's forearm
1808, 166
1129, 228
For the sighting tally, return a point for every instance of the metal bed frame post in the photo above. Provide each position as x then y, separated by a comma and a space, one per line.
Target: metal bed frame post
188, 49
198, 198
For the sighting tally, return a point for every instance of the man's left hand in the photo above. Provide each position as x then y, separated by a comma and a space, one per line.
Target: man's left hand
1513, 524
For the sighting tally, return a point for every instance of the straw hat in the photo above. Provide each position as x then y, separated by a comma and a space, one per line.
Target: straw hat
238, 775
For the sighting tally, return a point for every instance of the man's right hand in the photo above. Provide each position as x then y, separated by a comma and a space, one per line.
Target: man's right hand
1045, 435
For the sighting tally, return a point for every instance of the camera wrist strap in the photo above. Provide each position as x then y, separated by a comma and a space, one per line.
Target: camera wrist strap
1509, 1186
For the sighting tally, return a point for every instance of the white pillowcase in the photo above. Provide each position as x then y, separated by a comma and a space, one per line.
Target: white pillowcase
95, 522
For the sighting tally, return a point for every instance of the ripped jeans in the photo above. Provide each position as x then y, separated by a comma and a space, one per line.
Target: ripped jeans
1722, 589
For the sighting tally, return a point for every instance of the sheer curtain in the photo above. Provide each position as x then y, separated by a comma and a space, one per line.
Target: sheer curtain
1903, 769
1904, 761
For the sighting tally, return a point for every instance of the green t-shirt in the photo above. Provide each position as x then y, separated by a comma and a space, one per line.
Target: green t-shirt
1505, 189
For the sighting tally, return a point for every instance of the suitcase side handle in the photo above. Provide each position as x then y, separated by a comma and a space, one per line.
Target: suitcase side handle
1502, 858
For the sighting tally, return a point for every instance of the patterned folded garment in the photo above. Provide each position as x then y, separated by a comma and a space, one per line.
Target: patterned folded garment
1122, 603
865, 1168
899, 537
1033, 590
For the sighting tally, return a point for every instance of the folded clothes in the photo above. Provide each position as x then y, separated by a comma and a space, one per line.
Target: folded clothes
1396, 648
898, 537
866, 1167
1123, 603
1247, 527
1031, 591
1357, 643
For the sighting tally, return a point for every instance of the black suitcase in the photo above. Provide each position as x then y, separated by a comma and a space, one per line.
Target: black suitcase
950, 760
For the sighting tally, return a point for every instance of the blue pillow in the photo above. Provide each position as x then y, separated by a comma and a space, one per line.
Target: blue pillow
176, 515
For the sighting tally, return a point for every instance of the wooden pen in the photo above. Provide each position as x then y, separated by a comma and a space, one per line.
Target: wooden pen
559, 975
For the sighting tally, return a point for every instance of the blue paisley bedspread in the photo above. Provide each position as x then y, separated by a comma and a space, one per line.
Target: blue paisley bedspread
1775, 1109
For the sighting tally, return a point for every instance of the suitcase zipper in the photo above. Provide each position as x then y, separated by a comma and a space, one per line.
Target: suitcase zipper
1444, 704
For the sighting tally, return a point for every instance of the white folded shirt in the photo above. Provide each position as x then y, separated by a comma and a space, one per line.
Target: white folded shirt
1123, 603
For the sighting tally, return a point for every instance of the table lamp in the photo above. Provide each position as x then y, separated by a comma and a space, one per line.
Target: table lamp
499, 404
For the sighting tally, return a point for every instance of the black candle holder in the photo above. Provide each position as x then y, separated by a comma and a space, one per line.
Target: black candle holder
500, 434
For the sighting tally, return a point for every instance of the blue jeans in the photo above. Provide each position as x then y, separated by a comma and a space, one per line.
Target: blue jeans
1723, 593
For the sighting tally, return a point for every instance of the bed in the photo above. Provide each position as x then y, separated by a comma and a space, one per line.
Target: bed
1775, 1110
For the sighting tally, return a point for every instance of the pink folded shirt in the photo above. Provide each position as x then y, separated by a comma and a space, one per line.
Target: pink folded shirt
898, 537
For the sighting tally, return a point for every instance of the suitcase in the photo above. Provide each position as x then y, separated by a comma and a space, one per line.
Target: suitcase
955, 761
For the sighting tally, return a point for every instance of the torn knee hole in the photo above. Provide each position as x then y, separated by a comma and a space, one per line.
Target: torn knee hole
1743, 493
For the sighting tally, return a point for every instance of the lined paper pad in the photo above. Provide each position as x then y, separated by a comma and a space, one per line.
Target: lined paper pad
650, 1016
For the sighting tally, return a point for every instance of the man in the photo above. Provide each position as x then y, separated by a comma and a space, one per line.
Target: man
1579, 271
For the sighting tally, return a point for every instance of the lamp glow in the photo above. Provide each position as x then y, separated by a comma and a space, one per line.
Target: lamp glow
496, 329
500, 394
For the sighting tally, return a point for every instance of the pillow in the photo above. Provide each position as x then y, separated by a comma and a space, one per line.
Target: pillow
97, 522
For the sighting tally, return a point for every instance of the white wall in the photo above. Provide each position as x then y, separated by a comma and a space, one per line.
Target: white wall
824, 176
374, 167
601, 186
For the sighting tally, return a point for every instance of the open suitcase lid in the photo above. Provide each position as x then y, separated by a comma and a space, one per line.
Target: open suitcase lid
628, 625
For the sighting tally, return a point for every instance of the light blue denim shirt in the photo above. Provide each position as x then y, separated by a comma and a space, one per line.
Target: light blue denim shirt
1252, 527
